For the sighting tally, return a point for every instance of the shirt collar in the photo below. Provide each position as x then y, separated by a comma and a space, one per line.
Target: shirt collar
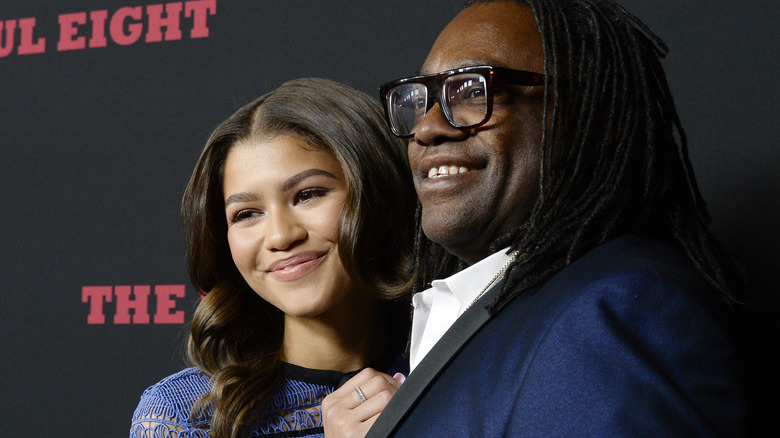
467, 284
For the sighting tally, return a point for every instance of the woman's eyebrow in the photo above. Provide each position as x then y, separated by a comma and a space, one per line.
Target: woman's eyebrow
288, 184
241, 197
298, 177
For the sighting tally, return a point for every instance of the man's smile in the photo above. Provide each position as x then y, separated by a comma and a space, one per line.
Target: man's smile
436, 172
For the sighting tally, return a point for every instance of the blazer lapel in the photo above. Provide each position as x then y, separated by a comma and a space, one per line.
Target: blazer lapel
433, 364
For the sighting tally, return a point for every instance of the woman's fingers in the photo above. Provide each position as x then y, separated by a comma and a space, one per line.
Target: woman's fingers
346, 414
376, 384
370, 382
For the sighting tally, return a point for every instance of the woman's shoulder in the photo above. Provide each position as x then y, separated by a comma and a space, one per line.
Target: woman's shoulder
169, 402
183, 385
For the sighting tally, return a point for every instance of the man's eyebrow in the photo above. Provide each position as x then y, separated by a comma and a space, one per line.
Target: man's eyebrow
286, 185
466, 63
477, 62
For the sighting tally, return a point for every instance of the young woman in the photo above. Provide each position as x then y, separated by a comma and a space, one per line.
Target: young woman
299, 224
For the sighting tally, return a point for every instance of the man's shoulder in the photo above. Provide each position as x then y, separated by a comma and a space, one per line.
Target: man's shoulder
629, 265
632, 279
635, 255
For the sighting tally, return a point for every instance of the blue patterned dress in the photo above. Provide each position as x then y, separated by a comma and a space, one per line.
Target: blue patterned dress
164, 409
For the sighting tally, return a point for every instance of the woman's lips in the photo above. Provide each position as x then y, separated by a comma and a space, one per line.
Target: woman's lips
296, 267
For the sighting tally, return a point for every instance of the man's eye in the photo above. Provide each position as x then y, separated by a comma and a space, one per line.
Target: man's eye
470, 95
475, 92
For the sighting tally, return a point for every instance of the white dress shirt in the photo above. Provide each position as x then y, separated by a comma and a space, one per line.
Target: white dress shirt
437, 308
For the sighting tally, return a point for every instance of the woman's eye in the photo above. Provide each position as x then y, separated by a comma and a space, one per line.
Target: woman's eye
309, 194
243, 215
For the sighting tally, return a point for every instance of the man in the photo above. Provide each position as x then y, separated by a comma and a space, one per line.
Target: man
584, 295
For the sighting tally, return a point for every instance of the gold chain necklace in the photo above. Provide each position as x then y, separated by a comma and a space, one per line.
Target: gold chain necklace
512, 257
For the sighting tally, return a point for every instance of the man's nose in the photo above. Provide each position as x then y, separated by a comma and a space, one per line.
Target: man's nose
434, 128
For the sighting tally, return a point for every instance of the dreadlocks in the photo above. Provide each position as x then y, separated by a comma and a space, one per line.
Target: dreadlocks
615, 159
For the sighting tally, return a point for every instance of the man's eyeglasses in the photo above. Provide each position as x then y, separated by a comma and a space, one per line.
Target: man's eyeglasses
464, 94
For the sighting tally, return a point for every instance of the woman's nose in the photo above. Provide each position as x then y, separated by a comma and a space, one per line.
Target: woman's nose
283, 230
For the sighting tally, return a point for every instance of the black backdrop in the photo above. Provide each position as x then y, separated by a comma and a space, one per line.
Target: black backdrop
97, 144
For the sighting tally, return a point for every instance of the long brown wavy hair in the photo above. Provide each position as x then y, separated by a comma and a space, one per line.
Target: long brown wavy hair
236, 336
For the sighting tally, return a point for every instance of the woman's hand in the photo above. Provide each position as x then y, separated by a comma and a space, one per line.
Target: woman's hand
345, 414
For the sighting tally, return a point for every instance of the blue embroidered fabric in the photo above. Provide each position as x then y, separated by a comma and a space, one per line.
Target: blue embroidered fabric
164, 409
294, 411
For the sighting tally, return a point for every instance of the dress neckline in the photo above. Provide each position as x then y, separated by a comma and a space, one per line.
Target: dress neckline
333, 378
315, 376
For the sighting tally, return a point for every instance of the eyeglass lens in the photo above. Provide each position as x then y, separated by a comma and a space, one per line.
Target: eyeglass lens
465, 102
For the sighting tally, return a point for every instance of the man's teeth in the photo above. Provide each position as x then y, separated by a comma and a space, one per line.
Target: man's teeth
436, 172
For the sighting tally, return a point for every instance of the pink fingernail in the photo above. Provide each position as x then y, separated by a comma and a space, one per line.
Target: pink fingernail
400, 377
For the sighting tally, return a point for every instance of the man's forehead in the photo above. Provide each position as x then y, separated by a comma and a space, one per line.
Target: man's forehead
501, 34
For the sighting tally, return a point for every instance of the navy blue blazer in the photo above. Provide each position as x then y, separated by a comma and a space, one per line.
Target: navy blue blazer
616, 344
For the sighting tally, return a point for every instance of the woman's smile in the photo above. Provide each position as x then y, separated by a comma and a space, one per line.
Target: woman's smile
296, 267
